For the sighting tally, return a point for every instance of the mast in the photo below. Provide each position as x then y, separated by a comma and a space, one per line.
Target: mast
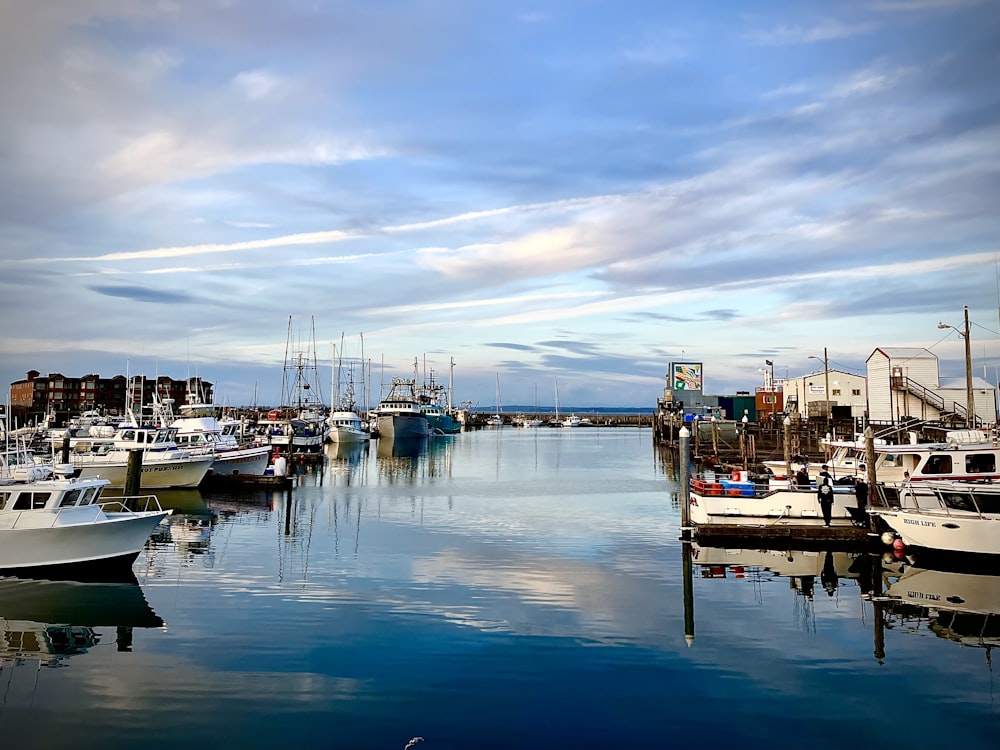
451, 383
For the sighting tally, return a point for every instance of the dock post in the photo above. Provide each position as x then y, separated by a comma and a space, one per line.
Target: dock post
65, 448
687, 566
133, 473
684, 460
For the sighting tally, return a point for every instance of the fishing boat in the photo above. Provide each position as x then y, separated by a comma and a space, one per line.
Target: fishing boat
298, 425
196, 429
944, 516
50, 519
399, 415
344, 423
740, 504
964, 455
435, 403
164, 464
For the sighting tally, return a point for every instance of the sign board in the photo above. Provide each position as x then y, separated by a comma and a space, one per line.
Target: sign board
686, 376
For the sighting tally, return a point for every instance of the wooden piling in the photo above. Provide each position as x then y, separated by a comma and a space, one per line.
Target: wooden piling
133, 473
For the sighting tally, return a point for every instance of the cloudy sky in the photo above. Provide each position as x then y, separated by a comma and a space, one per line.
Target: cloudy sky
585, 190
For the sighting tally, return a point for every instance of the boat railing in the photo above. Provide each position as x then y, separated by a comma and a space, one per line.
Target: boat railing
743, 484
132, 504
956, 499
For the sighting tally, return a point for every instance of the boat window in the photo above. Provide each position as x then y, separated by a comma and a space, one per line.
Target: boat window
4, 496
128, 435
937, 464
88, 495
70, 498
980, 463
958, 501
31, 500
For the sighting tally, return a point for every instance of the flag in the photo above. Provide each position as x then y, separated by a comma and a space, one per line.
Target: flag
769, 362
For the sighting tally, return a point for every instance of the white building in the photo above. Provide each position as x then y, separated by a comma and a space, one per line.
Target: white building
904, 382
806, 395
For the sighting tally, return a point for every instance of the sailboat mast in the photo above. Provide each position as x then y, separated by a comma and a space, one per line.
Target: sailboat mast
451, 383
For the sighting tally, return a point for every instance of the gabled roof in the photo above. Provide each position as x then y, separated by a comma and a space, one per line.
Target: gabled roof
897, 353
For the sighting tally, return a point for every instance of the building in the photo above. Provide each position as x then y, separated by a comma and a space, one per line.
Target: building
58, 397
904, 383
806, 395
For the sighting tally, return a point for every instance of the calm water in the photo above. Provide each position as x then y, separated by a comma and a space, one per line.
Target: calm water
502, 589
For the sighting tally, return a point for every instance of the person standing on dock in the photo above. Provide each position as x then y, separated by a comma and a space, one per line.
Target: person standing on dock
824, 489
861, 489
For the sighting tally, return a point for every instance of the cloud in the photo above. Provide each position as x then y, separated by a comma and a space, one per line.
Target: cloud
142, 294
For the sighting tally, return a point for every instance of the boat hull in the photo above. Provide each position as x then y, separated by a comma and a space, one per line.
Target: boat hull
186, 472
76, 539
403, 426
241, 461
760, 506
955, 533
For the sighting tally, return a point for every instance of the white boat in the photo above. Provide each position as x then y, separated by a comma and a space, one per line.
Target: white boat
346, 427
846, 459
50, 519
763, 508
496, 419
965, 455
200, 433
399, 415
572, 421
950, 517
164, 464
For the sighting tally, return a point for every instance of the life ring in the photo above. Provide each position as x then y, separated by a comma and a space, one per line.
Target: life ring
274, 414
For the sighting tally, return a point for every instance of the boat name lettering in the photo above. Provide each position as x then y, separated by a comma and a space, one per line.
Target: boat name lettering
922, 595
917, 522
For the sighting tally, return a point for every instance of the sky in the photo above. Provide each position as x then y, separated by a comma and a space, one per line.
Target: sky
560, 194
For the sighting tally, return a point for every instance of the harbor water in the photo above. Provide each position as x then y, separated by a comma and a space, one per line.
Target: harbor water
500, 588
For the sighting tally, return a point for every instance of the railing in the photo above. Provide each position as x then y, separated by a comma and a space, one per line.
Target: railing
131, 504
905, 384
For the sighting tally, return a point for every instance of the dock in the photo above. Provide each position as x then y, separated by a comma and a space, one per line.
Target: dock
263, 481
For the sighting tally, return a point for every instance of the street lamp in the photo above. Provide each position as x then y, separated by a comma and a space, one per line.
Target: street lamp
826, 386
970, 404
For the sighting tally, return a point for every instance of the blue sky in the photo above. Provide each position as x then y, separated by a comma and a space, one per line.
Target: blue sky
583, 190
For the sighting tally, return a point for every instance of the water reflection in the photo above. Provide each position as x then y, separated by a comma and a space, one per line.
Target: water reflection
961, 606
45, 622
411, 459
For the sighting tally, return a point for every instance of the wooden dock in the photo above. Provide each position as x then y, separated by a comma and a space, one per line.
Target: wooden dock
262, 481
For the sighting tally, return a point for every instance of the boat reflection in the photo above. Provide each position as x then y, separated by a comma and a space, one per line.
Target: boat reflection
957, 605
47, 621
801, 567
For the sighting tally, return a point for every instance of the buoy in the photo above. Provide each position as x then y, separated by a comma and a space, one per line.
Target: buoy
898, 545
887, 538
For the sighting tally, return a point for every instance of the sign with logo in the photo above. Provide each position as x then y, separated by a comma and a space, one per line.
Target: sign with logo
686, 376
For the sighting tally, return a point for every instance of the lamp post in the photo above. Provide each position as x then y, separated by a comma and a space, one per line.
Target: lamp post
826, 385
970, 403
746, 448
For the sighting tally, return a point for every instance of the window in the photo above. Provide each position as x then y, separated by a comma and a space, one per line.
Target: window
70, 498
855, 391
939, 463
836, 391
31, 500
4, 496
980, 463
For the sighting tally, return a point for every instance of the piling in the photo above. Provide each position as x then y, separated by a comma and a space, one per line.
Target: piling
65, 448
684, 485
133, 473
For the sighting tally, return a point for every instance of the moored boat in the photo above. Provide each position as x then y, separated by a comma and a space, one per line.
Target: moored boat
737, 504
50, 519
944, 517
399, 414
